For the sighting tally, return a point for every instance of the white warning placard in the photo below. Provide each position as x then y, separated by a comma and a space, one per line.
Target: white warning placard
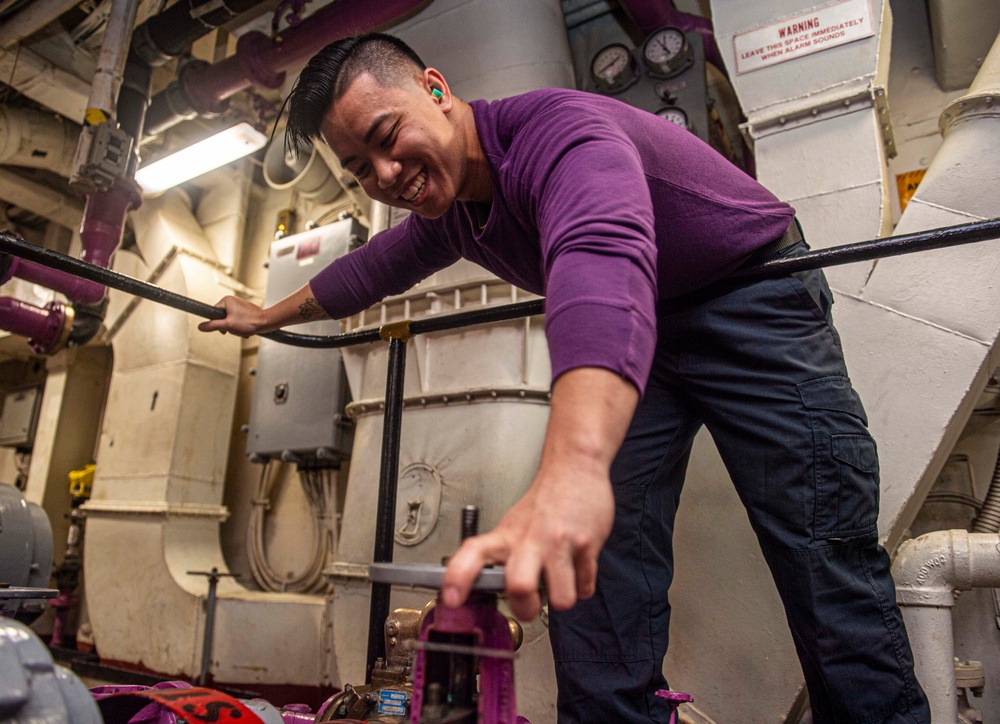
825, 27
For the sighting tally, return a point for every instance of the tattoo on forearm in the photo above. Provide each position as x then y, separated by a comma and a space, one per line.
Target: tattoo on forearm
310, 309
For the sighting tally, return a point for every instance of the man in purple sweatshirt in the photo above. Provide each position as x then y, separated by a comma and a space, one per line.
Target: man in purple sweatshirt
627, 225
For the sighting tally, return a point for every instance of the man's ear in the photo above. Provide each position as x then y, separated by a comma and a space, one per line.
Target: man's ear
436, 86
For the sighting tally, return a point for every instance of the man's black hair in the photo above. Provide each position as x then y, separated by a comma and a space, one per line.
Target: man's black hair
330, 72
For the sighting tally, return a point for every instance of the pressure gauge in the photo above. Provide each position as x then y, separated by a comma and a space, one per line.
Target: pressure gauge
613, 68
667, 52
675, 115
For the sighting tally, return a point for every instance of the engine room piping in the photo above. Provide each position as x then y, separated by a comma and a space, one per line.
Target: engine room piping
261, 62
122, 80
111, 59
928, 571
47, 329
31, 19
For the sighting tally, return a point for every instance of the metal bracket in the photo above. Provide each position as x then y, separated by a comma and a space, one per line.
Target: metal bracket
395, 330
102, 157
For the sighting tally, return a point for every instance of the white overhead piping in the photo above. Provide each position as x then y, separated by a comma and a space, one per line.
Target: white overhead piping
928, 572
40, 199
32, 19
44, 82
111, 61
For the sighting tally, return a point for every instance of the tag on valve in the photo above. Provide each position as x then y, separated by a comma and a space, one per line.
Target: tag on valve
464, 668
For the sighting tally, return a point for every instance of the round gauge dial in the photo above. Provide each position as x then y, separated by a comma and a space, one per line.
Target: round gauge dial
667, 52
675, 115
613, 68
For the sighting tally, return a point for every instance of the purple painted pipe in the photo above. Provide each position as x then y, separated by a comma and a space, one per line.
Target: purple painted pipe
262, 62
103, 217
651, 15
101, 230
74, 287
45, 327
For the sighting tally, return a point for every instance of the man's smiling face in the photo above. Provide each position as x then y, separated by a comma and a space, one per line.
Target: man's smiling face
398, 142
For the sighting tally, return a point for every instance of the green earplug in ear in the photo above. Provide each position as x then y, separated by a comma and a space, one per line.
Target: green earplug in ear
438, 95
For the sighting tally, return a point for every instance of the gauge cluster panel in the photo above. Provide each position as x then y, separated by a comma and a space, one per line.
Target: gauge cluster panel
664, 75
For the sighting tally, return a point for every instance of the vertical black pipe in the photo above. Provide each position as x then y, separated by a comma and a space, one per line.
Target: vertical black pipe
385, 522
206, 647
133, 102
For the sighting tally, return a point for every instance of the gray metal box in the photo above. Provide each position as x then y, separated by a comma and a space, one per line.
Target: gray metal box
300, 394
19, 417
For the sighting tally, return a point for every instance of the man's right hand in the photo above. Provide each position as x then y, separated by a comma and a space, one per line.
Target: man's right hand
243, 318
246, 319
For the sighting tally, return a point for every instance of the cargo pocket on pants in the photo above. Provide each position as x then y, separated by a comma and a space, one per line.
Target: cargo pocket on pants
845, 460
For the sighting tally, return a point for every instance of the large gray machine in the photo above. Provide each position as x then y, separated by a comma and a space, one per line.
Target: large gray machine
25, 552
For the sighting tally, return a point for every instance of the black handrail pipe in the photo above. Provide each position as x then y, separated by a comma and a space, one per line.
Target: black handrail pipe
833, 256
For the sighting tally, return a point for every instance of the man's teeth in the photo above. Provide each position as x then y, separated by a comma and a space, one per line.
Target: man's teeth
416, 187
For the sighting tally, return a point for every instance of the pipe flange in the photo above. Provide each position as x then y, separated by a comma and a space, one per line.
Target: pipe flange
146, 48
941, 597
202, 103
981, 105
61, 324
250, 49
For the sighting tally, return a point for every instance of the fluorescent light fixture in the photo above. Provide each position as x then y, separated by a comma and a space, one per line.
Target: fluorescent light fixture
218, 150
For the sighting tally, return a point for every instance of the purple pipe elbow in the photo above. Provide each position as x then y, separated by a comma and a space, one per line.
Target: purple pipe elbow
75, 288
262, 62
47, 329
651, 15
101, 232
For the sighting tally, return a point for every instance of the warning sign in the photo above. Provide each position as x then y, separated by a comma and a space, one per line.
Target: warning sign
906, 185
797, 35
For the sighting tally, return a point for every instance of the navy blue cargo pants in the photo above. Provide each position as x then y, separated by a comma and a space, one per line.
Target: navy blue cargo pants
761, 366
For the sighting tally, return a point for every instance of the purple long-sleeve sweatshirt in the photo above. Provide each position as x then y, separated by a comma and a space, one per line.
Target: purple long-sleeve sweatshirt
598, 206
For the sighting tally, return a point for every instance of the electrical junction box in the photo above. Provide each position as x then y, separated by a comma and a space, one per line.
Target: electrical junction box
20, 417
300, 394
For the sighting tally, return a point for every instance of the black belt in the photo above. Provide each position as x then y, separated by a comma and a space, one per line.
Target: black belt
791, 237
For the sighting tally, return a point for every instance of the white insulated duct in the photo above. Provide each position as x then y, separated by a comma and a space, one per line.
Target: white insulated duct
928, 572
36, 139
40, 199
156, 506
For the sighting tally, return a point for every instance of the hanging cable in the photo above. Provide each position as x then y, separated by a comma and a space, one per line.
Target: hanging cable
319, 491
